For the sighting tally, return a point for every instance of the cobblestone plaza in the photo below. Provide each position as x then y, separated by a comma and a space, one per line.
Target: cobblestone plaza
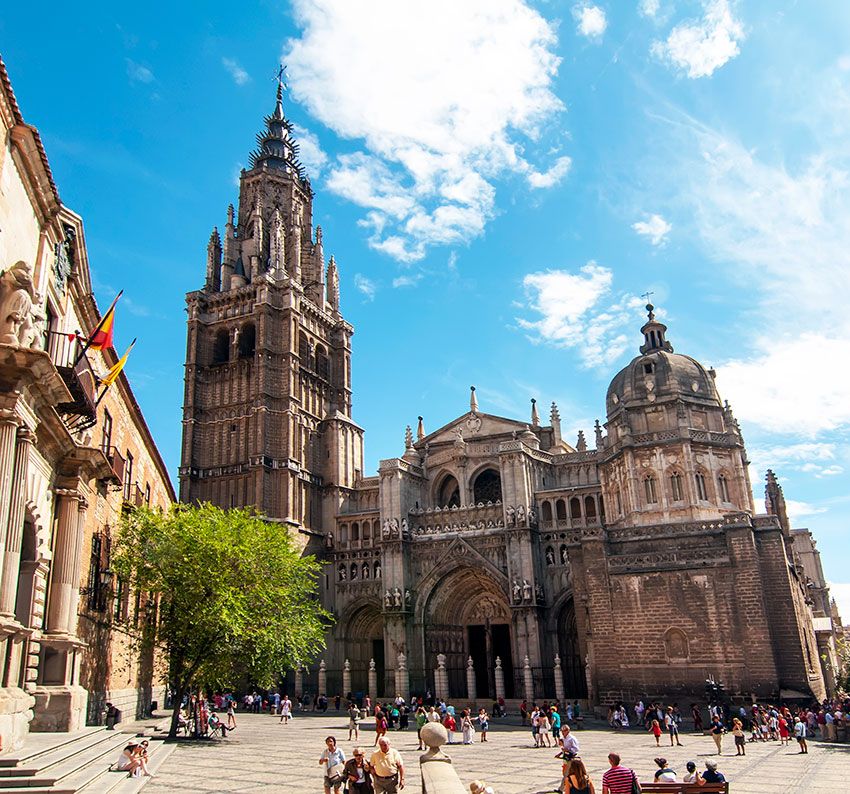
263, 755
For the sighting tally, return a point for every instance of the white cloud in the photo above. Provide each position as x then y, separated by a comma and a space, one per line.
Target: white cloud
591, 20
700, 47
553, 176
573, 315
407, 281
791, 385
429, 156
649, 8
811, 457
797, 510
656, 228
138, 73
366, 286
310, 152
239, 75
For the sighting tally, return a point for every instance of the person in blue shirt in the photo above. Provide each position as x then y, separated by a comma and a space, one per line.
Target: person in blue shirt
556, 724
711, 775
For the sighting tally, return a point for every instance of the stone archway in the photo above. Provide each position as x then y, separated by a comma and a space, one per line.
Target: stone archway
569, 649
467, 614
363, 640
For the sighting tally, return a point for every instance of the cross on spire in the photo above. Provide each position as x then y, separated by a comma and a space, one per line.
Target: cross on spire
281, 85
647, 295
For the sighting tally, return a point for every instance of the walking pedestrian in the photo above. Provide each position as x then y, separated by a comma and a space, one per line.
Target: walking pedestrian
387, 768
285, 710
655, 730
333, 759
231, 715
716, 730
353, 721
358, 777
740, 738
380, 725
619, 779
483, 723
672, 726
800, 733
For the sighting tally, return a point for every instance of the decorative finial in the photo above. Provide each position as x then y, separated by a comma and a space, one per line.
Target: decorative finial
581, 442
420, 429
598, 428
281, 84
535, 416
473, 400
230, 213
408, 438
318, 235
554, 414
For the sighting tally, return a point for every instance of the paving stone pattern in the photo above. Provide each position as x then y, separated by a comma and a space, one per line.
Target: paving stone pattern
262, 755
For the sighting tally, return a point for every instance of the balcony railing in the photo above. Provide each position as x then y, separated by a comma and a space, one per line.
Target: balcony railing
116, 463
74, 368
134, 496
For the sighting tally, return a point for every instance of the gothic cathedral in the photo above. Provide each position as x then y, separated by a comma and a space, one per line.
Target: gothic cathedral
493, 557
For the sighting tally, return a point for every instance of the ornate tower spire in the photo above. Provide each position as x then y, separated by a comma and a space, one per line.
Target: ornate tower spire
581, 442
332, 281
555, 421
420, 429
214, 261
276, 147
473, 400
535, 416
653, 334
408, 438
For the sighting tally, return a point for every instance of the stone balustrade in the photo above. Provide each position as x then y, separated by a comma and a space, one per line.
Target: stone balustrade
438, 774
433, 521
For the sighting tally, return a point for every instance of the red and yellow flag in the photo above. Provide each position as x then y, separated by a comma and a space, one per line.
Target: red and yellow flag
101, 337
115, 371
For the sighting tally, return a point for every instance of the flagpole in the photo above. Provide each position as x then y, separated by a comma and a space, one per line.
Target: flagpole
118, 363
97, 328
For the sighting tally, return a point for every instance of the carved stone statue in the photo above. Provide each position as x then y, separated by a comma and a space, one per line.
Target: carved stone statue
517, 591
564, 558
387, 529
401, 661
538, 592
329, 540
405, 528
394, 527
397, 598
20, 310
377, 570
520, 516
408, 599
365, 570
550, 557
342, 573
388, 599
469, 663
371, 664
510, 516
526, 590
532, 518
441, 661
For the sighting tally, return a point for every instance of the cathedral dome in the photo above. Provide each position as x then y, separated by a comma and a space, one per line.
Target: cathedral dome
659, 373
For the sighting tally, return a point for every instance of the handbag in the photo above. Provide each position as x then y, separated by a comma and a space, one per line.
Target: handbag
336, 774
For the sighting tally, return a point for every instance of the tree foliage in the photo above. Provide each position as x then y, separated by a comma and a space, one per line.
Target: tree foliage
234, 593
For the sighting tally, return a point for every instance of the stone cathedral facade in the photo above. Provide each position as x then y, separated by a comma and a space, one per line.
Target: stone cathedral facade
641, 562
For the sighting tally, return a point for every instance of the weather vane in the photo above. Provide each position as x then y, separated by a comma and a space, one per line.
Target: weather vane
280, 75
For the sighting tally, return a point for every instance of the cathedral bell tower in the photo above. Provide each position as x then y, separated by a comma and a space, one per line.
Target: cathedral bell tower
267, 406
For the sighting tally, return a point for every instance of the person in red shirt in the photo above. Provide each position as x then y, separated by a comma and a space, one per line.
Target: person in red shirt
618, 779
449, 725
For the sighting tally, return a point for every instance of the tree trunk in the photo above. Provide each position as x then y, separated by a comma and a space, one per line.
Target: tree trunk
179, 692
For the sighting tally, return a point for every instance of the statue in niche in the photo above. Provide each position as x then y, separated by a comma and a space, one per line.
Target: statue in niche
365, 570
564, 558
342, 573
329, 540
408, 599
388, 599
532, 518
377, 570
394, 527
517, 591
405, 528
510, 514
21, 315
550, 557
520, 516
397, 598
526, 590
386, 530
538, 592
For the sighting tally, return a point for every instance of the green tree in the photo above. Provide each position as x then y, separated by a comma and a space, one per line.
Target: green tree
234, 594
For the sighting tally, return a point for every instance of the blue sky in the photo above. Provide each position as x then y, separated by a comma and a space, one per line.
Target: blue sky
499, 181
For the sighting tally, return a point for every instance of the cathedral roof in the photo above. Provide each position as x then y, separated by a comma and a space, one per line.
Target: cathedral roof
659, 372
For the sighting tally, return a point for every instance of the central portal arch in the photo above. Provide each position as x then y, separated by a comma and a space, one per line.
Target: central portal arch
467, 614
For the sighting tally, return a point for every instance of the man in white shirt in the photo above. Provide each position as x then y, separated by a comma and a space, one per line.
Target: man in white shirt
569, 742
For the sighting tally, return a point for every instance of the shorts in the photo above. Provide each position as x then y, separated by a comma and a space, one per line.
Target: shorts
673, 730
556, 732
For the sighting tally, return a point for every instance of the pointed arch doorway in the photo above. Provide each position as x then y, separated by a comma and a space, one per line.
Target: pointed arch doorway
467, 615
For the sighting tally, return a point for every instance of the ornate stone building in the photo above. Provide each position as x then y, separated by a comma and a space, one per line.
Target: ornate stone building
492, 555
63, 480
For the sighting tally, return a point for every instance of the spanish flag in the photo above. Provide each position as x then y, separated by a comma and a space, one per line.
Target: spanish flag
101, 337
113, 373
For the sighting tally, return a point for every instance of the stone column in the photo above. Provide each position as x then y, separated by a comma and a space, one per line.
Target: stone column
559, 680
528, 679
500, 679
346, 678
440, 677
402, 677
12, 559
64, 576
323, 679
471, 692
8, 430
373, 682
299, 681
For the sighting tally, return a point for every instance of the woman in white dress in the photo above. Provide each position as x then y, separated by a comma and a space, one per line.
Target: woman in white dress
467, 727
285, 709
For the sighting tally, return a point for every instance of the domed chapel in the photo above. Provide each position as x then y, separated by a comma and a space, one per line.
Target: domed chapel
493, 557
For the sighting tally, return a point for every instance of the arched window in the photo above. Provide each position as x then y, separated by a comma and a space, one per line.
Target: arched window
487, 487
650, 490
221, 347
304, 351
676, 490
449, 493
702, 493
367, 532
589, 507
723, 487
575, 507
247, 340
355, 531
322, 365
561, 510
546, 511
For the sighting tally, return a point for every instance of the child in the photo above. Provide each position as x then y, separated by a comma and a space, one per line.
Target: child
655, 729
483, 723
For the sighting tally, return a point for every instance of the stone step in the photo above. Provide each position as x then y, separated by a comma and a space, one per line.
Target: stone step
41, 744
66, 760
121, 783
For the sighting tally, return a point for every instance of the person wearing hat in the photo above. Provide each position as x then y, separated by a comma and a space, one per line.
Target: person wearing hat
480, 787
691, 776
129, 761
711, 775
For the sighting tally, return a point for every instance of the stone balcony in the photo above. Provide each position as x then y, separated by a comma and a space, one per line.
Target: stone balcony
466, 518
